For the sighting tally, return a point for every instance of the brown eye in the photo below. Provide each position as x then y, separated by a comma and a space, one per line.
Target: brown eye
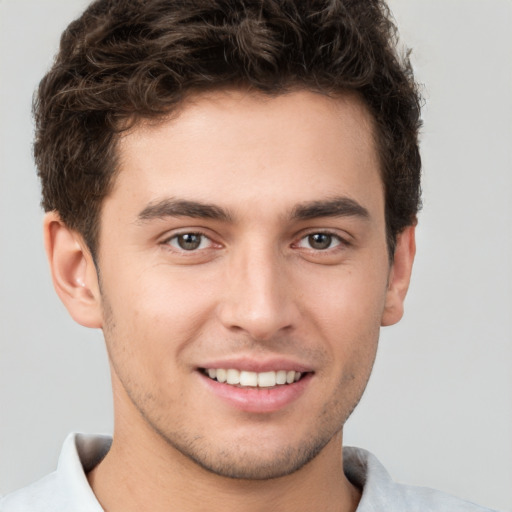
320, 241
189, 241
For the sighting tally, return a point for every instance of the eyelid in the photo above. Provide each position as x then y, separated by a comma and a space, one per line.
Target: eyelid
188, 231
203, 240
343, 240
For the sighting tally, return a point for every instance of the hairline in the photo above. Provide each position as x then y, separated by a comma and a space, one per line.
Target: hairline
130, 123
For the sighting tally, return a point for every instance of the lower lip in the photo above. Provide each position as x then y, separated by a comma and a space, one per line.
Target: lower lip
258, 400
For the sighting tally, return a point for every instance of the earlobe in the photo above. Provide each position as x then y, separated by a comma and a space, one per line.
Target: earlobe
399, 277
73, 272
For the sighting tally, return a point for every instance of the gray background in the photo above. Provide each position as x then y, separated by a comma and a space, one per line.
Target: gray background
438, 410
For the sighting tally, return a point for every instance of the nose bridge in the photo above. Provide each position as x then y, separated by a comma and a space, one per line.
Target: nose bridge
258, 299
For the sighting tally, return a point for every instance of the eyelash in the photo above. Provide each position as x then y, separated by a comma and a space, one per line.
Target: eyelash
333, 237
176, 237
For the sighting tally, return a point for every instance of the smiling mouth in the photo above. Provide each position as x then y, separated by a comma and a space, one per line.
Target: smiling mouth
242, 378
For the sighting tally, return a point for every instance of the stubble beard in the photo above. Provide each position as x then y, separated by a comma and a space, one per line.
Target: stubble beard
244, 459
253, 464
235, 462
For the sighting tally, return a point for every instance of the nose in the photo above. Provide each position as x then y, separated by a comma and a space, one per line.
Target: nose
259, 297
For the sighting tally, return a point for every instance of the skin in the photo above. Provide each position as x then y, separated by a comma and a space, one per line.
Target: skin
258, 288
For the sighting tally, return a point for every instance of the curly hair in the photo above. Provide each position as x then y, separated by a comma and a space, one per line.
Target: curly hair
127, 60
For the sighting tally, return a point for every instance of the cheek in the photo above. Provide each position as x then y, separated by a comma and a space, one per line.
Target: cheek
152, 318
347, 313
350, 298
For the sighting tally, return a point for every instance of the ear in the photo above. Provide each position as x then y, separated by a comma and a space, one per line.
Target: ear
73, 272
399, 276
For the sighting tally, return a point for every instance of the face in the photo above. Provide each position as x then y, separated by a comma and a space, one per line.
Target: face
244, 277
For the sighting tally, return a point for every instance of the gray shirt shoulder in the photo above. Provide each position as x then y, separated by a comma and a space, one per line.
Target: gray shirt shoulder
380, 493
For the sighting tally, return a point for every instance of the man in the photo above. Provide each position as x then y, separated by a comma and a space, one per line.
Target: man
232, 191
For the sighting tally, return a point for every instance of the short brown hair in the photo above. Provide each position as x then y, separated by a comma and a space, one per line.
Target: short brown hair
126, 60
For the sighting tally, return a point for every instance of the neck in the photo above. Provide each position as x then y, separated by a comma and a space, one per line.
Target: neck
151, 474
144, 471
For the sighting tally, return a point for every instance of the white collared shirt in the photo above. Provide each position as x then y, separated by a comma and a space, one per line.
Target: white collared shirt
67, 488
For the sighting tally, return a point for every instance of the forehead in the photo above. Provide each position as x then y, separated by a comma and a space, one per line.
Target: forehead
243, 149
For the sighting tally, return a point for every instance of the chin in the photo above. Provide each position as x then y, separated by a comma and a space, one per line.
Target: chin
257, 466
249, 459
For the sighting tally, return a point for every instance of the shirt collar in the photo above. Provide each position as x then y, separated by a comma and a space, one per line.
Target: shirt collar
81, 453
378, 488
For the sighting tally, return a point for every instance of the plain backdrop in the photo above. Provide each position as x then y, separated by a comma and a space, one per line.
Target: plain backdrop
438, 409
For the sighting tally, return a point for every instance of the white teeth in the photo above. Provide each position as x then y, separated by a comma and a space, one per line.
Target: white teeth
248, 378
266, 379
253, 379
281, 377
233, 377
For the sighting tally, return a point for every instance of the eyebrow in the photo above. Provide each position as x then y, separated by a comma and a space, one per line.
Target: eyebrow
182, 208
169, 207
335, 207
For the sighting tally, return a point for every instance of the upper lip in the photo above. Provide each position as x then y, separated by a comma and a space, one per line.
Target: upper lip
252, 364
